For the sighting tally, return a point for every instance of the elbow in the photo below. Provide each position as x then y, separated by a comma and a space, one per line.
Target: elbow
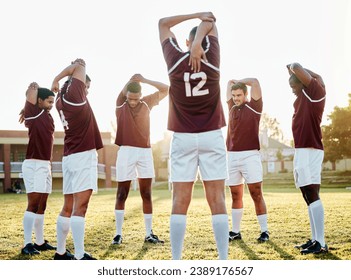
255, 82
162, 23
294, 66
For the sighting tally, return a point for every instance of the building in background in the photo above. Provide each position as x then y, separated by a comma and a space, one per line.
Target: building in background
13, 147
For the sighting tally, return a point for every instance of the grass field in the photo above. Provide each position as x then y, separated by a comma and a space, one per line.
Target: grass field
287, 218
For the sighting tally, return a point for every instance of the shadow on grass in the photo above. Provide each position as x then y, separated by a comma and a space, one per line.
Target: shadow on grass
282, 253
142, 252
22, 257
251, 255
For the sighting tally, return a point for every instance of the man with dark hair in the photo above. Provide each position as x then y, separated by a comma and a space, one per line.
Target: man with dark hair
196, 118
79, 163
36, 167
134, 158
309, 105
244, 159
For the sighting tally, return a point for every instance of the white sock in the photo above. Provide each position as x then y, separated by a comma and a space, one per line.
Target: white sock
237, 215
78, 231
39, 229
28, 224
148, 223
119, 214
220, 227
262, 220
62, 229
313, 231
317, 211
177, 234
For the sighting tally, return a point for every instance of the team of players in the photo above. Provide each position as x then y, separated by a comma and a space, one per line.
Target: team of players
196, 118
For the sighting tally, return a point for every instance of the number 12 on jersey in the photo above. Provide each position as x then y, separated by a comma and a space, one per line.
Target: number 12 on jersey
196, 90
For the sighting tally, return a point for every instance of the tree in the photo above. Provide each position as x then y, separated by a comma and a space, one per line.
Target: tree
337, 135
271, 126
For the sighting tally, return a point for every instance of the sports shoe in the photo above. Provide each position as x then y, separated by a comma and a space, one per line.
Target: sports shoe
66, 256
234, 236
44, 247
263, 237
305, 245
315, 248
87, 257
152, 238
29, 250
117, 239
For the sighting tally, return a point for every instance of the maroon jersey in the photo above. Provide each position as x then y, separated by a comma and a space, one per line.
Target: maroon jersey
41, 128
243, 128
194, 98
133, 124
78, 120
307, 117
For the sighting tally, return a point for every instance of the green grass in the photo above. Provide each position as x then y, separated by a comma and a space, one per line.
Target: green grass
288, 224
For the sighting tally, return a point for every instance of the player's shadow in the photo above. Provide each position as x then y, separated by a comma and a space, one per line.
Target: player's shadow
251, 255
142, 252
284, 255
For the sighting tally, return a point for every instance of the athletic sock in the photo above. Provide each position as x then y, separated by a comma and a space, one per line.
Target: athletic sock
177, 234
119, 214
78, 230
317, 211
28, 224
62, 229
39, 229
262, 220
148, 223
221, 228
237, 215
313, 231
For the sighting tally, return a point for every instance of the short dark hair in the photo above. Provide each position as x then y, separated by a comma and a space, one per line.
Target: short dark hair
134, 87
192, 33
241, 86
44, 93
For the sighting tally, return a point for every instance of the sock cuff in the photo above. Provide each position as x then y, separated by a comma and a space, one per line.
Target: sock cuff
219, 218
119, 211
238, 210
262, 216
315, 204
63, 219
39, 216
29, 214
77, 219
176, 218
147, 216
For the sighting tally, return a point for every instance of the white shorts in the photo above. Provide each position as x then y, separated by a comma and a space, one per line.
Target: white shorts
203, 151
245, 166
80, 172
37, 176
307, 166
134, 162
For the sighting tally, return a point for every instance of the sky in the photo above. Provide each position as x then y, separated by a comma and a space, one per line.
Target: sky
120, 38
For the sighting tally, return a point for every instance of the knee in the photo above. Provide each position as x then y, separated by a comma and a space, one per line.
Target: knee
146, 195
33, 207
66, 210
122, 196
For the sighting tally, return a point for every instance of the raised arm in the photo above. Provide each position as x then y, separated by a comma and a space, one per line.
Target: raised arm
196, 52
165, 24
255, 88
75, 70
161, 87
304, 75
32, 93
253, 83
31, 96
